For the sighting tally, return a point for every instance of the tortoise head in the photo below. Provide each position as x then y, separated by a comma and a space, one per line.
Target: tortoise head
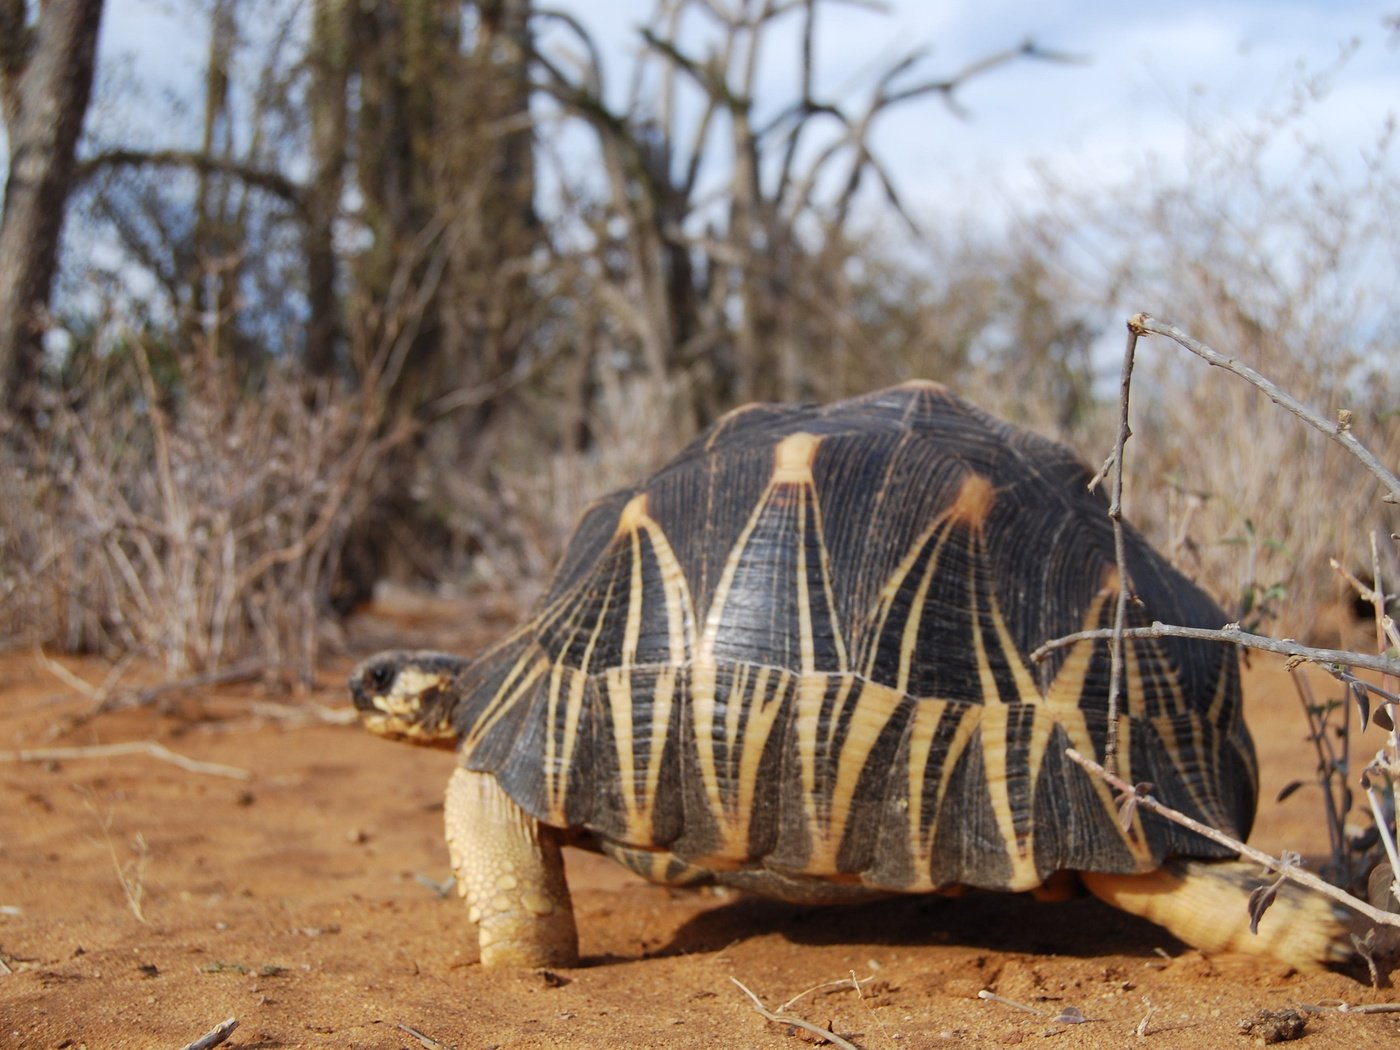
409, 696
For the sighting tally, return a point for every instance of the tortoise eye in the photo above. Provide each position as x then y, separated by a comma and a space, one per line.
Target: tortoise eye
381, 677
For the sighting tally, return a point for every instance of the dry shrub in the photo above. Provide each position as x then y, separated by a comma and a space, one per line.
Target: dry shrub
1290, 266
166, 509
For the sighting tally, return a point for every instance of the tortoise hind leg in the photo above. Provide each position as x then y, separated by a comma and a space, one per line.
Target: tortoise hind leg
510, 870
1206, 904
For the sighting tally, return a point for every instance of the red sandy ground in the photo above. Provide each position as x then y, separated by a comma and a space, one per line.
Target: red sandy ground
296, 902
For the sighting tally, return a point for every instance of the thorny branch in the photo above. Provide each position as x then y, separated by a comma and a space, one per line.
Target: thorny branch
1336, 662
1288, 871
1340, 431
1329, 659
1120, 556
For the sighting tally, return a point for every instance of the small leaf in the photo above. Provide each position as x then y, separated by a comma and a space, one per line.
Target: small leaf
1070, 1015
1379, 888
1127, 810
1381, 716
1289, 789
1128, 803
1259, 902
1363, 702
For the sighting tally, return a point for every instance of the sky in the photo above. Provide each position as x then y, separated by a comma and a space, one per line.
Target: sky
1153, 78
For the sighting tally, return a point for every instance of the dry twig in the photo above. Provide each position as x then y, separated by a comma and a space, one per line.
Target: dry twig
1339, 431
1288, 871
992, 997
1327, 659
426, 1041
98, 694
214, 1036
131, 747
1347, 1008
246, 671
777, 1017
1065, 1015
1120, 555
1141, 1031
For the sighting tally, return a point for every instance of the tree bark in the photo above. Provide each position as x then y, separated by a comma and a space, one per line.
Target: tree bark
331, 53
47, 83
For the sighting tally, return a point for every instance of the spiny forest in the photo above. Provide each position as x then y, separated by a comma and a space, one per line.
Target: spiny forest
423, 280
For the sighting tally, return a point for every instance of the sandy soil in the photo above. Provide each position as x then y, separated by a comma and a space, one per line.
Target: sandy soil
300, 901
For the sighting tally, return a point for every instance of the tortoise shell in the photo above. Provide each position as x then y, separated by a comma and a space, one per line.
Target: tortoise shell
801, 648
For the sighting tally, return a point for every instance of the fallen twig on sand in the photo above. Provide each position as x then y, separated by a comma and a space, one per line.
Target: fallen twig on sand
1347, 1008
241, 672
99, 693
992, 997
131, 747
792, 1019
1067, 1014
304, 714
425, 1040
214, 1036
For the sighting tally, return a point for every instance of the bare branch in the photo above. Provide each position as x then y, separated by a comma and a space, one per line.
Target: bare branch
1288, 871
1339, 431
1120, 555
947, 86
133, 747
203, 163
1232, 635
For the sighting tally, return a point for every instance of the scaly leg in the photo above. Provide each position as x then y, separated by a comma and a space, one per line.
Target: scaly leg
510, 870
1206, 904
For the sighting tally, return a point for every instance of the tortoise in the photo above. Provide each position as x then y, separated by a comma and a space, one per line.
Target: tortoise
796, 661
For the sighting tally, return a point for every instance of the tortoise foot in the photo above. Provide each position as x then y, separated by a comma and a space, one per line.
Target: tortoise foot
511, 872
1206, 904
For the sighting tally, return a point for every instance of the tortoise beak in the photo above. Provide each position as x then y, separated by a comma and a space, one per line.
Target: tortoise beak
357, 691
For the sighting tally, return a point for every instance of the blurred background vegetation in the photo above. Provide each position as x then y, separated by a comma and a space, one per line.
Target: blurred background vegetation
424, 288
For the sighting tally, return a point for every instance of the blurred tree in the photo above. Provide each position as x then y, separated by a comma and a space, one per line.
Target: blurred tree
444, 167
722, 246
212, 225
330, 60
46, 71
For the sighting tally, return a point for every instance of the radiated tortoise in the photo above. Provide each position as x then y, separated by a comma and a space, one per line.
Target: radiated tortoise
795, 661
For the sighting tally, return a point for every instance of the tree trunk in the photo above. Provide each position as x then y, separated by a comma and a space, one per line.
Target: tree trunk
47, 82
328, 104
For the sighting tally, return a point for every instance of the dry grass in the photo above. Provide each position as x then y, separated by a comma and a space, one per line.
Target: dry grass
1288, 266
174, 513
131, 874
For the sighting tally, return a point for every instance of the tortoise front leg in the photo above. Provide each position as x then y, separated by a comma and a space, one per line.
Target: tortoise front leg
510, 870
